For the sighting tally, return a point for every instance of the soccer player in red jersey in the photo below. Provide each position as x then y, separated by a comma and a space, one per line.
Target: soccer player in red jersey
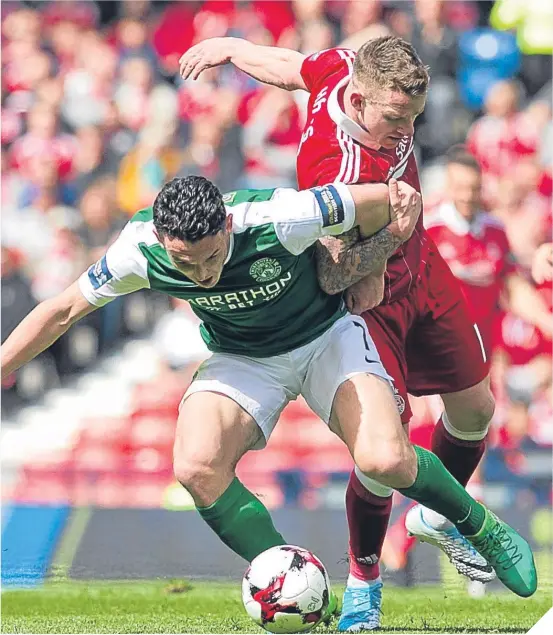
359, 128
475, 246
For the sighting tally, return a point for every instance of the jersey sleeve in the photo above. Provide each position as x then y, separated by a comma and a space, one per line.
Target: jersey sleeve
123, 269
300, 218
319, 66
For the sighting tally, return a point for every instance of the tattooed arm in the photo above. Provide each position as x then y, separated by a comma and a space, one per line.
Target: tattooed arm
343, 260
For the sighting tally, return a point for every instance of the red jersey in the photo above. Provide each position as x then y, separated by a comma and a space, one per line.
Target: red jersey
335, 148
479, 256
522, 342
286, 131
60, 149
498, 144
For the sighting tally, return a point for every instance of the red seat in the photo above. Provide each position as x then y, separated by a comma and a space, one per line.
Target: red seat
94, 457
331, 459
152, 431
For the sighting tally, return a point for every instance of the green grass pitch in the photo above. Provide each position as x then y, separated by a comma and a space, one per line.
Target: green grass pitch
161, 607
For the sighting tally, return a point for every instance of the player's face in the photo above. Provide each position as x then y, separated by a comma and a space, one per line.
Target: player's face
201, 261
388, 115
464, 187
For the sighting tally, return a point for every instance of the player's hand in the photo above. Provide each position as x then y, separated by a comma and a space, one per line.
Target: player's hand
365, 294
207, 54
405, 209
542, 264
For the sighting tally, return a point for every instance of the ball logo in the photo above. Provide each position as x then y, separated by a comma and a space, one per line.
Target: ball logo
265, 269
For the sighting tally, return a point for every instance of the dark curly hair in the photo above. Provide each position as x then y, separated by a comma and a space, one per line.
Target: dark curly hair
189, 208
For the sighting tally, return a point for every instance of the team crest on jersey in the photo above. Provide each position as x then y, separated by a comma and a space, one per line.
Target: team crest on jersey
265, 269
229, 197
400, 401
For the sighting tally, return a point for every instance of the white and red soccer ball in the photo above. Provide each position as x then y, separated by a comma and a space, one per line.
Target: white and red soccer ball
286, 590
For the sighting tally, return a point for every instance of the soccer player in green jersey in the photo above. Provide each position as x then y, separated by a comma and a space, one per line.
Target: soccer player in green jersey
246, 263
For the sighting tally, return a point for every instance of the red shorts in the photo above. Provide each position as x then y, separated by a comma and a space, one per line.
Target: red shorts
427, 340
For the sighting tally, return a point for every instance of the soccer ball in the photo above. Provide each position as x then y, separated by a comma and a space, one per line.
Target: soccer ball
286, 590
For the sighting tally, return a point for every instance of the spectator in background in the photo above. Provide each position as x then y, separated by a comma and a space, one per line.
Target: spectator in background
309, 10
83, 13
43, 183
316, 35
360, 15
131, 40
475, 246
20, 25
65, 257
101, 221
444, 121
504, 136
136, 9
542, 264
26, 226
523, 212
12, 187
27, 69
44, 139
143, 171
92, 160
88, 87
189, 347
17, 297
118, 140
50, 92
533, 21
201, 155
133, 90
64, 40
434, 40
271, 132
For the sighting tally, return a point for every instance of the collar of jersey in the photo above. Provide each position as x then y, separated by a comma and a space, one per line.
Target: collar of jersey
457, 223
340, 118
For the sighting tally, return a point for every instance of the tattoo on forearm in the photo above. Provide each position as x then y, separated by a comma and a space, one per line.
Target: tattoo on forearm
342, 261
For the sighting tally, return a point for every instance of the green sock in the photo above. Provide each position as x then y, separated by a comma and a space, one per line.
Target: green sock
437, 489
242, 522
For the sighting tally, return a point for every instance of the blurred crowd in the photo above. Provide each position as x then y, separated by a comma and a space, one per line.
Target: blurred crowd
95, 119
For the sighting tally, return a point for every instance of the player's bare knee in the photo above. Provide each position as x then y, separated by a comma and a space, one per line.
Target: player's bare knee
388, 464
472, 410
198, 477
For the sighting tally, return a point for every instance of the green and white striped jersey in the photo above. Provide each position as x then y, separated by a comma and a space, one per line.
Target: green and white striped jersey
268, 300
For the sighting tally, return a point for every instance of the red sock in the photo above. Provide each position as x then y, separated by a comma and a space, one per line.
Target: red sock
460, 457
368, 517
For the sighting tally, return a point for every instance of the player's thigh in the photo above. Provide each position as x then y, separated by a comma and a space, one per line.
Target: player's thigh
231, 406
213, 433
348, 387
445, 353
389, 326
471, 409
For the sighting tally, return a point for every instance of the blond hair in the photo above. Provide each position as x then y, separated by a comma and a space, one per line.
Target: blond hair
390, 63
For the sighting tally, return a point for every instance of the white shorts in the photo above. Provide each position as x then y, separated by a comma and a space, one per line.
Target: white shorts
264, 386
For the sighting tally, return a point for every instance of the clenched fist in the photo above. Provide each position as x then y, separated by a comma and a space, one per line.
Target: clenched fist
405, 209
